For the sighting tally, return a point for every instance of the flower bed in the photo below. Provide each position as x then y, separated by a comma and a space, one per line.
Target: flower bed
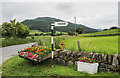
89, 65
34, 53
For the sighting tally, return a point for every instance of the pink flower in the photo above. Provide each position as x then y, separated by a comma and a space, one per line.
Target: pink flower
83, 60
36, 56
32, 56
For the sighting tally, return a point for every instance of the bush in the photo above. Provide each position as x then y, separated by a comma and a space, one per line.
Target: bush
79, 30
71, 33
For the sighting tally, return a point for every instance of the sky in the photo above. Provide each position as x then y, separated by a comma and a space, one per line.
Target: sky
94, 14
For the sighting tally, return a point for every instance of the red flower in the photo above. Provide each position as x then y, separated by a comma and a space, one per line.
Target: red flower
32, 56
19, 53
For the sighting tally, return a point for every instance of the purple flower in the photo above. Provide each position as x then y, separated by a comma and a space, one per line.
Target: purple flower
84, 60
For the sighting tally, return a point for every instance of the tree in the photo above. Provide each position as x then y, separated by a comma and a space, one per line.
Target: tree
79, 30
7, 29
71, 33
21, 30
114, 27
14, 30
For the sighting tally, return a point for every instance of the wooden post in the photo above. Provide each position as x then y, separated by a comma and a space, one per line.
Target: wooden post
79, 46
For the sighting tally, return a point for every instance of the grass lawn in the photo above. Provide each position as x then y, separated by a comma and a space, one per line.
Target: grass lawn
17, 66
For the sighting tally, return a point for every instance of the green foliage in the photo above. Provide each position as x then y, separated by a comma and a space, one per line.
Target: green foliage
79, 30
71, 33
7, 30
21, 30
14, 30
114, 27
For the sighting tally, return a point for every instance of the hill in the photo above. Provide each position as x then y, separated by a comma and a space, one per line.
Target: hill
43, 24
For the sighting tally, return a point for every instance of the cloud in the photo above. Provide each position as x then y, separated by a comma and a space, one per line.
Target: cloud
66, 7
92, 14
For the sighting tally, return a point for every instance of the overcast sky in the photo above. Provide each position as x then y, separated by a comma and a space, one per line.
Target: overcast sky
99, 15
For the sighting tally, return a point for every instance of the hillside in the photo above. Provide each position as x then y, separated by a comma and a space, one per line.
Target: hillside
111, 31
43, 24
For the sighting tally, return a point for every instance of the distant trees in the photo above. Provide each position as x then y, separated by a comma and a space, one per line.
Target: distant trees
15, 30
114, 27
71, 33
79, 30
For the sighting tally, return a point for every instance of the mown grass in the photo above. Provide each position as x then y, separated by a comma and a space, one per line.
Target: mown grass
8, 42
106, 45
111, 31
17, 66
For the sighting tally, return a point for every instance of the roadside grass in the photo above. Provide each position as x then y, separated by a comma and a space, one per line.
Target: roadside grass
106, 45
8, 42
17, 66
111, 31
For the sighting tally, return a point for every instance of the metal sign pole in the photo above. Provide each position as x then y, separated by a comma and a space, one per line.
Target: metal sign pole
52, 42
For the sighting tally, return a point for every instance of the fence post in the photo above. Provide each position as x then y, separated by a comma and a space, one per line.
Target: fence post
79, 46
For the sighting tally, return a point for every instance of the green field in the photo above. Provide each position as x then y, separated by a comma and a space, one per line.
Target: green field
106, 45
17, 66
112, 31
32, 32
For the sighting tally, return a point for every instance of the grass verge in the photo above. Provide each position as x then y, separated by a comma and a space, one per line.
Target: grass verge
17, 66
8, 42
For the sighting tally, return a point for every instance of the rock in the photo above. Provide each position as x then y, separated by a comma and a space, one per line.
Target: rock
69, 54
62, 62
99, 57
105, 58
115, 60
70, 62
119, 59
102, 57
110, 59
96, 56
102, 65
85, 54
79, 54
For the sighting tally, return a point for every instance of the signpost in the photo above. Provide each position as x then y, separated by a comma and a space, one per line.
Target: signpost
55, 24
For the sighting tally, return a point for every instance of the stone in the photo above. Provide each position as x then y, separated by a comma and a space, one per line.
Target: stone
62, 62
119, 59
96, 56
105, 58
69, 54
110, 59
85, 54
70, 62
102, 57
102, 65
115, 60
79, 54
112, 67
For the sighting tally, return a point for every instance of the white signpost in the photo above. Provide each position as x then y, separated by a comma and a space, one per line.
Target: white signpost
55, 24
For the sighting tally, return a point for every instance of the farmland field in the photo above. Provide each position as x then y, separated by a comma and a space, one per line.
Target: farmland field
107, 45
112, 31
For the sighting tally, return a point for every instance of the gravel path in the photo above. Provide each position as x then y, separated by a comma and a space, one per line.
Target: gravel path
10, 51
